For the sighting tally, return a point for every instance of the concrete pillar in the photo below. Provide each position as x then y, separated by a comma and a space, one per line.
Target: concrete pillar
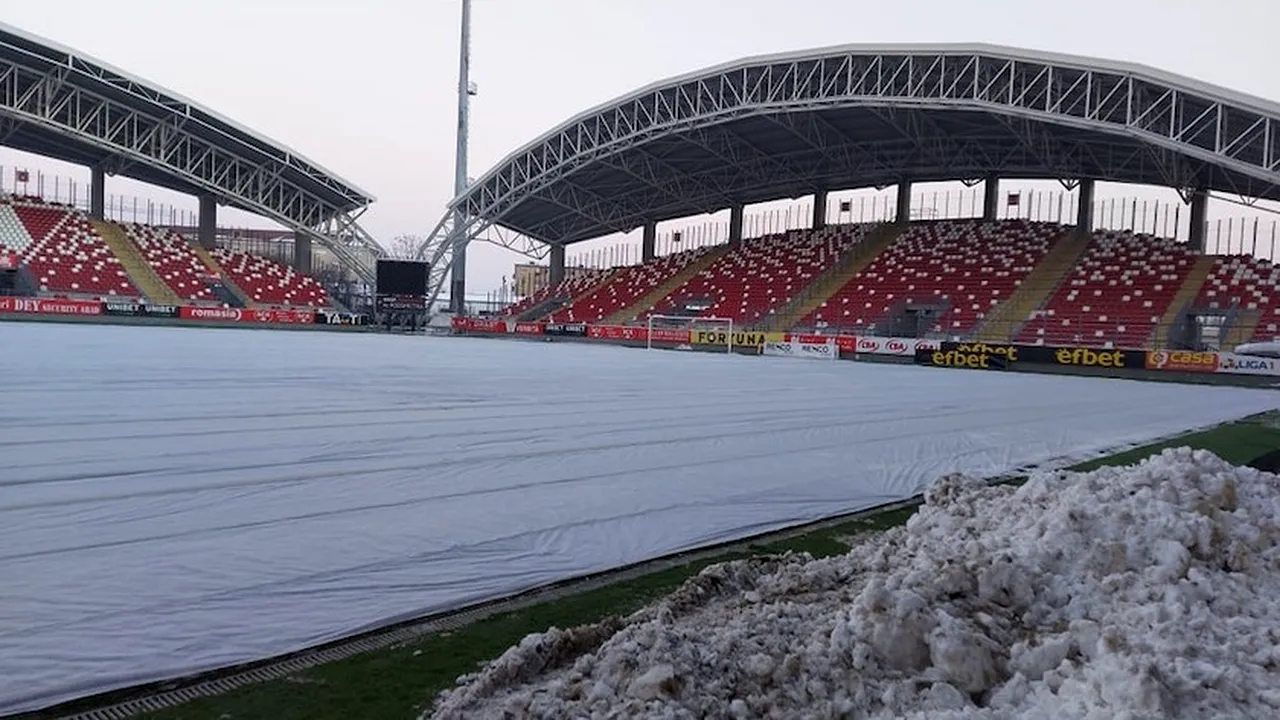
458, 274
649, 242
819, 209
557, 265
1084, 213
1199, 221
97, 193
735, 224
991, 198
302, 253
904, 202
208, 223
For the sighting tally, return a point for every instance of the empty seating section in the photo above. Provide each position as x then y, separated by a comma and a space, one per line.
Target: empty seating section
628, 285
13, 234
173, 260
759, 275
963, 268
1246, 283
66, 255
566, 289
268, 282
1115, 296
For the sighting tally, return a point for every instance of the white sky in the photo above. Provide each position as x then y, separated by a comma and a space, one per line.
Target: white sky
367, 89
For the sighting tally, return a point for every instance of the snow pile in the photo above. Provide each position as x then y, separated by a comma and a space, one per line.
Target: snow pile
1151, 591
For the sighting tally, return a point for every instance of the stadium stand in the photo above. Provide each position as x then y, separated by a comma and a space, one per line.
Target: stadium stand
553, 297
267, 282
173, 260
1115, 296
1251, 287
759, 275
627, 287
964, 268
66, 255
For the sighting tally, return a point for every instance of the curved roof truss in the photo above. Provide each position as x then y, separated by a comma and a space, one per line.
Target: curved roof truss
60, 103
787, 125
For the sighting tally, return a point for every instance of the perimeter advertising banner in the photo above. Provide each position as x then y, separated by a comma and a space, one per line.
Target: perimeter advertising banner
248, 315
1247, 364
978, 356
324, 317
46, 306
1182, 361
739, 339
1082, 357
127, 309
565, 329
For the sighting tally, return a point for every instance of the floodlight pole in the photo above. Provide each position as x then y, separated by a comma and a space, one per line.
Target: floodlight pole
458, 275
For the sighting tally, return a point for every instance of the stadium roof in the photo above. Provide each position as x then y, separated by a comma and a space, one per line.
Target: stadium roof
61, 103
783, 126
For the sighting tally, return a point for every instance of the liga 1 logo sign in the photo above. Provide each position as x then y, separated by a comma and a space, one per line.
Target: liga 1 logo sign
1247, 364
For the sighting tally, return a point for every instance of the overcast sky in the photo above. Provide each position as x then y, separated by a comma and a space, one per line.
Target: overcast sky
367, 89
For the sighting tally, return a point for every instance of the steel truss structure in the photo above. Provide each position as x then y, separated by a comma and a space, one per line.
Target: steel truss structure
58, 103
785, 126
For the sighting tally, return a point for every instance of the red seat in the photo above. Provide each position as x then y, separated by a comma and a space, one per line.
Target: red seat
173, 260
1247, 283
760, 275
268, 282
626, 287
1115, 296
67, 256
568, 288
966, 266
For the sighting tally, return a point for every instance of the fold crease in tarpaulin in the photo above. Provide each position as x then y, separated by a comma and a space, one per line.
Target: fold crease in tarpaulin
176, 500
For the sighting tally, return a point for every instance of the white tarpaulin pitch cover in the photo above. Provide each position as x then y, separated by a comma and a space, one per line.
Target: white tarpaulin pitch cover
174, 500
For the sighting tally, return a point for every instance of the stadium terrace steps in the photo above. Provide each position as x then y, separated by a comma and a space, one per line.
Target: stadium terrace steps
576, 288
1004, 323
1242, 329
1187, 294
629, 314
827, 284
140, 271
216, 269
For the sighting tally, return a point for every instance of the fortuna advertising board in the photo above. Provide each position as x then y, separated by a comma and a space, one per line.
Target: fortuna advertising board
1247, 364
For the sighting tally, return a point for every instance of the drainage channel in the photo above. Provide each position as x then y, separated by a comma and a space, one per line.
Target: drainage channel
127, 703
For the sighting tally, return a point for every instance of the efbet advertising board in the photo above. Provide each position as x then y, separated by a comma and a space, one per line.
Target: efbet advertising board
1184, 361
973, 356
740, 339
1083, 357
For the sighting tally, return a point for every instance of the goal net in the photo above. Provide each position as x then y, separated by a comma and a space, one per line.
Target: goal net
722, 327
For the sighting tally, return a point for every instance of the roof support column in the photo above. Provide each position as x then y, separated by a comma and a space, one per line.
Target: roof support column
904, 202
649, 242
208, 223
97, 193
990, 198
302, 253
820, 210
557, 265
735, 224
1084, 213
458, 274
1199, 221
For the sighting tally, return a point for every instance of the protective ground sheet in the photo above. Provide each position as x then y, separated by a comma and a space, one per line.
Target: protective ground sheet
174, 500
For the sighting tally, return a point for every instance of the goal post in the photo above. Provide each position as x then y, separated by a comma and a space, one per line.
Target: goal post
692, 324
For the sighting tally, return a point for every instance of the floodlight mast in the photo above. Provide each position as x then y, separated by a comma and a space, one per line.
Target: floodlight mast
458, 275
